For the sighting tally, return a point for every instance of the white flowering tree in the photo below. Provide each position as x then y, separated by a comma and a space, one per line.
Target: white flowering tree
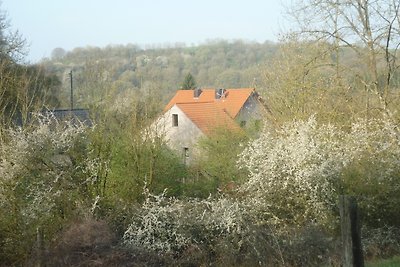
45, 180
169, 225
297, 172
157, 225
295, 176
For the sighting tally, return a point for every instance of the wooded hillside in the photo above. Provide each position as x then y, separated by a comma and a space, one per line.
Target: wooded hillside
161, 70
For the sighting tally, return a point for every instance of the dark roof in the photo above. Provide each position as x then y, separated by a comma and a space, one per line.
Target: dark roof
62, 114
74, 115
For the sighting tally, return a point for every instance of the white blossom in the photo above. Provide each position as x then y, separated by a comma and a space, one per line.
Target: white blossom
296, 171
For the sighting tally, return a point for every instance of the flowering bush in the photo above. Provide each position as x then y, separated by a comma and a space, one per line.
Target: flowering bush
43, 173
37, 159
297, 172
292, 170
295, 176
158, 225
221, 230
169, 225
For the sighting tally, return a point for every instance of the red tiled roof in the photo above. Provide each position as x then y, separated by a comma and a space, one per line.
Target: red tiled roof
232, 102
208, 116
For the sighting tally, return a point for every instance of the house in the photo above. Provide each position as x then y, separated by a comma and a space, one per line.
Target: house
191, 114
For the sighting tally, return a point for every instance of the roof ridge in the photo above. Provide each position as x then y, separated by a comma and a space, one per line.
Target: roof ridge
216, 88
195, 102
232, 103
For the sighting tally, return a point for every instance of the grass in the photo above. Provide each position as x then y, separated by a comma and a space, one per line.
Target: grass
392, 262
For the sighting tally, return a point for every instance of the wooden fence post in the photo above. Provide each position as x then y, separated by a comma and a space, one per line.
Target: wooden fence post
39, 247
352, 254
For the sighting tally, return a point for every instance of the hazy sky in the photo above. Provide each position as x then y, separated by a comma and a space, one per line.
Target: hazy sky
48, 24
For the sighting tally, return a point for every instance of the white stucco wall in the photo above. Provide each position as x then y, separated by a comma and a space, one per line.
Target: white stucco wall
186, 134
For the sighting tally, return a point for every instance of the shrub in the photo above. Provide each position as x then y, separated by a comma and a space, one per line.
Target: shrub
285, 213
80, 240
91, 242
157, 225
380, 242
297, 172
43, 183
216, 162
222, 231
169, 225
293, 172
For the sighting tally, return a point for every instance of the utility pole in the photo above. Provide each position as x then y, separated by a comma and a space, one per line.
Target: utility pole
72, 91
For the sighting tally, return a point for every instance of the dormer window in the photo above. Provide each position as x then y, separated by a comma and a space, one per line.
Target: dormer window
220, 93
197, 92
175, 120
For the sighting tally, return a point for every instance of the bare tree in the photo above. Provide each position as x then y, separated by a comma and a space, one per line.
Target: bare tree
12, 44
23, 88
301, 80
369, 28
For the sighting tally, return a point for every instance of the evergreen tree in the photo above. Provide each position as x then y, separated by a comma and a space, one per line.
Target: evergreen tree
189, 83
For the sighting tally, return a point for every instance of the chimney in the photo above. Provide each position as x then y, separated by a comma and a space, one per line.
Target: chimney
197, 92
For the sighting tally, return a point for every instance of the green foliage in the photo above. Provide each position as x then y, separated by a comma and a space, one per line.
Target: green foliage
137, 163
299, 171
169, 173
393, 262
129, 157
374, 183
217, 168
23, 89
189, 83
44, 183
380, 242
130, 68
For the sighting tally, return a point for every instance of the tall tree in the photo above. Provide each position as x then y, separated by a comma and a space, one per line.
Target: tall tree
189, 82
370, 29
298, 83
23, 88
12, 44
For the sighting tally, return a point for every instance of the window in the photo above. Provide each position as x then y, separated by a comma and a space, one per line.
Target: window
175, 120
185, 154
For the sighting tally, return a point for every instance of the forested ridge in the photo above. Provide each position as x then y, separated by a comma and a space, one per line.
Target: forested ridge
215, 64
